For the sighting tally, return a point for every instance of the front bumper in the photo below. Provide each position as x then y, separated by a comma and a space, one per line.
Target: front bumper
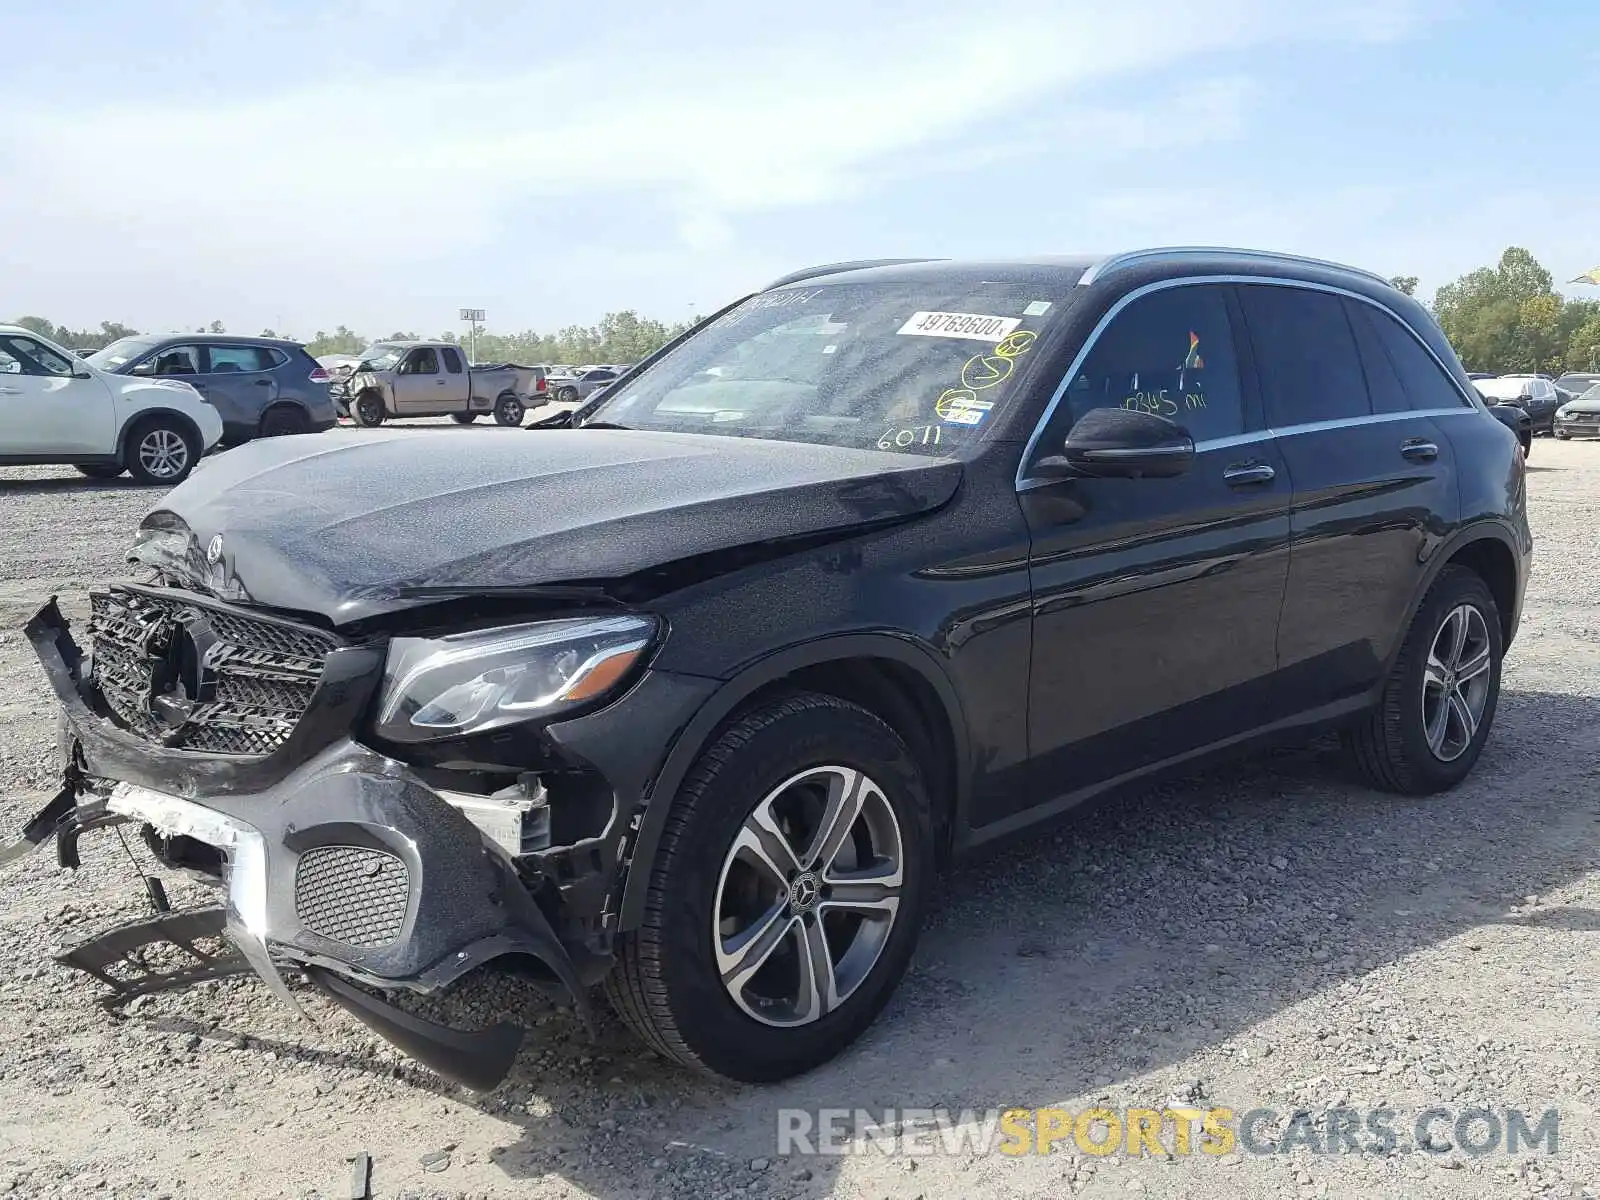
1579, 425
345, 865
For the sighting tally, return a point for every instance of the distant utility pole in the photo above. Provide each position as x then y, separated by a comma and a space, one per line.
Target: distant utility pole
474, 318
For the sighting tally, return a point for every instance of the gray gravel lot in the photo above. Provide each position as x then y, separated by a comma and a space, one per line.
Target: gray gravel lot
1270, 935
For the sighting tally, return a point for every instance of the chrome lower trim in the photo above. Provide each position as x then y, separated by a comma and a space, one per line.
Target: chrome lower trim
245, 850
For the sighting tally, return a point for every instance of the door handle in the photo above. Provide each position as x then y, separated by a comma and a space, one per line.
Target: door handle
438, 383
11, 391
263, 383
1243, 474
1419, 450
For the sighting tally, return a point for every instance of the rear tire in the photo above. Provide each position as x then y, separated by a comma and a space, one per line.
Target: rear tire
161, 451
368, 410
463, 418
1439, 702
100, 472
284, 421
508, 410
852, 904
567, 395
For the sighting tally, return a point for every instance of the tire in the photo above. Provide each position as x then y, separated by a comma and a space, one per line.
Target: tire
283, 421
508, 410
567, 395
161, 451
100, 472
1391, 746
1559, 436
463, 418
368, 410
667, 984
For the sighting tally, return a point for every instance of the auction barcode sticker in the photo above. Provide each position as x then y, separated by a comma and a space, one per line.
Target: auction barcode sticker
975, 326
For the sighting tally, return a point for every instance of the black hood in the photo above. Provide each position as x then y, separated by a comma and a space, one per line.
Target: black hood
354, 526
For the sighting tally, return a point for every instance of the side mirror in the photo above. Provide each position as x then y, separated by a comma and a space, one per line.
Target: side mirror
1123, 444
145, 368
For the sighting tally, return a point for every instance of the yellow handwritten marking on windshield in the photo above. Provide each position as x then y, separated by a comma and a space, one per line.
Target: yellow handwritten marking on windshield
980, 372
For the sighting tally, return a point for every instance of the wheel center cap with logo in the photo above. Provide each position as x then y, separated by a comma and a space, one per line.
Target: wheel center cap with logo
803, 892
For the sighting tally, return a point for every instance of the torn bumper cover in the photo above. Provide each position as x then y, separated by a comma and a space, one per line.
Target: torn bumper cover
346, 867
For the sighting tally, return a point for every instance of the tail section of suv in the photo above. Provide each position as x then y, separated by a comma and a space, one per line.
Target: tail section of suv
869, 569
263, 387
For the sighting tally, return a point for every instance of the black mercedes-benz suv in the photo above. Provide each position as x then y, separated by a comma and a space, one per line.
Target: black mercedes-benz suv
881, 563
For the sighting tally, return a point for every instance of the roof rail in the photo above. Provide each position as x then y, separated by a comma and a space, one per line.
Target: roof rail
1116, 261
831, 268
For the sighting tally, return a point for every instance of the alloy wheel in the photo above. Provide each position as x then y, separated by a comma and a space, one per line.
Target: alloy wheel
808, 896
1455, 682
163, 453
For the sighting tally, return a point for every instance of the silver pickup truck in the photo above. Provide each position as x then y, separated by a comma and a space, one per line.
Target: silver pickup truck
433, 379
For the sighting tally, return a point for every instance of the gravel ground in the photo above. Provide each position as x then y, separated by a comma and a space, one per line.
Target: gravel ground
1264, 936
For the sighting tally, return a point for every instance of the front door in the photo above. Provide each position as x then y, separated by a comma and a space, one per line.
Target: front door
420, 389
1156, 600
46, 408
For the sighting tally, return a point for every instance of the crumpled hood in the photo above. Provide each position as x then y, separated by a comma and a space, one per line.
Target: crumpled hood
1582, 405
344, 525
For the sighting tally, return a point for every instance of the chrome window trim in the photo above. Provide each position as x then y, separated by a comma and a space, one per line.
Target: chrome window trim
1128, 257
1025, 482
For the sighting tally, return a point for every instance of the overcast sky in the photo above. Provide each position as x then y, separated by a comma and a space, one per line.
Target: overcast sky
299, 163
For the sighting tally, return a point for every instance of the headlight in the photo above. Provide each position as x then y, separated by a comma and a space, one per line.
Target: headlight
470, 682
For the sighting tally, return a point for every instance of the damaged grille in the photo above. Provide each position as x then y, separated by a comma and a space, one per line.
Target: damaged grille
198, 677
351, 894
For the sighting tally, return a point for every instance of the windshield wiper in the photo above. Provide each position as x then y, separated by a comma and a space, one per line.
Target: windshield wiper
603, 425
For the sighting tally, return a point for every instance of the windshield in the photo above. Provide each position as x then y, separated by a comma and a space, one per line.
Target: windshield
917, 367
120, 353
1505, 387
1592, 394
1577, 383
381, 356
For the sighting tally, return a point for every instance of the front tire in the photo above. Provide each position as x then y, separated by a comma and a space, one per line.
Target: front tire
508, 410
1439, 702
161, 452
567, 395
785, 896
368, 410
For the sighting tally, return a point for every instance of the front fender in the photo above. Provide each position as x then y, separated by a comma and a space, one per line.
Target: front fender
698, 733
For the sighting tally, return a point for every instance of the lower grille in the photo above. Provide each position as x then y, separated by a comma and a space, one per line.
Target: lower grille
352, 894
201, 677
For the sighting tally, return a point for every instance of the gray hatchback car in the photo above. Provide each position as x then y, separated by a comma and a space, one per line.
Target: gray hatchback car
263, 387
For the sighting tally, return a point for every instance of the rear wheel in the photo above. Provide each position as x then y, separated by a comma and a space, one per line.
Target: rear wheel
284, 421
161, 450
508, 410
100, 472
463, 418
1439, 702
785, 896
567, 395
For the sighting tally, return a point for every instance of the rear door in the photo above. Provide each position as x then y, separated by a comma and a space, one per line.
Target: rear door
44, 409
1373, 482
239, 382
1156, 600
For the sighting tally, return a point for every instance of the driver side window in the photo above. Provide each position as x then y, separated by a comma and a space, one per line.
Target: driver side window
421, 362
1170, 353
24, 356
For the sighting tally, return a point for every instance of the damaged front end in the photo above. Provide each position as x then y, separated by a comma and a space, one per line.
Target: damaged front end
233, 740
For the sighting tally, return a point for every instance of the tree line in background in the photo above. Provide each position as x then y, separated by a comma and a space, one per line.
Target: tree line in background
620, 337
1507, 318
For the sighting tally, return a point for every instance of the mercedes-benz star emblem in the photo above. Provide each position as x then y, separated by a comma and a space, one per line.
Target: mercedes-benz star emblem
803, 892
214, 550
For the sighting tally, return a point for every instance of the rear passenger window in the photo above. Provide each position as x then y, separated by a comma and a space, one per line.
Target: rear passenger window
227, 360
1310, 370
1170, 353
1402, 362
452, 360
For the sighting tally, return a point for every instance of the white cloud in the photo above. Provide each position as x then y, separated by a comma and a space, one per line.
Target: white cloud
352, 191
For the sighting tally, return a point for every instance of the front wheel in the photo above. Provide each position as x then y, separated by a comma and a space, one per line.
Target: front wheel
567, 395
1439, 702
368, 410
785, 896
161, 451
508, 410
